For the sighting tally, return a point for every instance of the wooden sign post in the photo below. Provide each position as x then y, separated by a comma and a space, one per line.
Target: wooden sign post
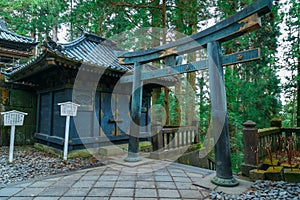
67, 109
13, 118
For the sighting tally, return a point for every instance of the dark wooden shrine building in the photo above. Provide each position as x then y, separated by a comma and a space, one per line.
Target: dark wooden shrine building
14, 50
54, 75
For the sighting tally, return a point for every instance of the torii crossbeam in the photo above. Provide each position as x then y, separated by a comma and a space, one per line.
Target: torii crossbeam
242, 22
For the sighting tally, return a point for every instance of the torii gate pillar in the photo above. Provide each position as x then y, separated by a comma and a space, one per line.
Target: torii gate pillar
219, 125
136, 108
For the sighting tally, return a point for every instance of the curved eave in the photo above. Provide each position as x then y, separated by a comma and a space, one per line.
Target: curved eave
44, 62
28, 69
15, 53
18, 45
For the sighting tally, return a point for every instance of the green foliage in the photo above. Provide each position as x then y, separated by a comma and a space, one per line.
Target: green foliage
289, 113
290, 56
33, 18
203, 102
160, 114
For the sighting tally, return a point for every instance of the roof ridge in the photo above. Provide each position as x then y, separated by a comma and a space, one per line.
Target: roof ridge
71, 43
83, 37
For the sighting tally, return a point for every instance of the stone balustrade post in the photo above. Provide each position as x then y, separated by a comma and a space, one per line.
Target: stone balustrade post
276, 122
197, 136
157, 139
250, 140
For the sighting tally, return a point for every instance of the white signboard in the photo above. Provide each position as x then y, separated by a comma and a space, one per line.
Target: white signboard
13, 118
68, 109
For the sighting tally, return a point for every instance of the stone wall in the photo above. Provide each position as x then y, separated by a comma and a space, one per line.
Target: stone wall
24, 100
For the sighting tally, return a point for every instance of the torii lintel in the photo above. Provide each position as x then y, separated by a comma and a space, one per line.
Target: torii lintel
238, 24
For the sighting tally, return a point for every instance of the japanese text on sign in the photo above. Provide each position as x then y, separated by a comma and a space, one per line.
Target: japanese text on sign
68, 109
11, 119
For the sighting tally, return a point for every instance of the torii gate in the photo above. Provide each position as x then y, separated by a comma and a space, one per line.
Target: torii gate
242, 22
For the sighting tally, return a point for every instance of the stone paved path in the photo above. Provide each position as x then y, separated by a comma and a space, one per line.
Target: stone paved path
150, 180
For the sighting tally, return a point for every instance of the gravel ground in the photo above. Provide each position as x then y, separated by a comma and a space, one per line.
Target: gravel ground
264, 190
30, 163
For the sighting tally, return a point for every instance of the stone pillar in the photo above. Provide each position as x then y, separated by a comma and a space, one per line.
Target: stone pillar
250, 139
156, 139
197, 136
276, 122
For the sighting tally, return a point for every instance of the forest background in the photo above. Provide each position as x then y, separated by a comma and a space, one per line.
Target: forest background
257, 91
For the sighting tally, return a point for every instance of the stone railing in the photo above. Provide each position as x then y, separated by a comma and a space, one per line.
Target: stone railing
173, 140
211, 161
267, 136
253, 138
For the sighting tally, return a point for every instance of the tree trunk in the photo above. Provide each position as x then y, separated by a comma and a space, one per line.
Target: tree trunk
100, 27
34, 50
190, 98
191, 89
178, 96
54, 30
166, 105
164, 40
298, 81
178, 88
155, 42
54, 33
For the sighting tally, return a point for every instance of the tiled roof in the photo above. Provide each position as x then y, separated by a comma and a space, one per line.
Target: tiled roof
7, 35
90, 48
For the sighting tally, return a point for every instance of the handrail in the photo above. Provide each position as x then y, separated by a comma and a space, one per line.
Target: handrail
168, 140
172, 137
268, 131
274, 133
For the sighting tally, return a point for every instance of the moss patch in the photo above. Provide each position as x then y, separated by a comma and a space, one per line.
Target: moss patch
275, 169
145, 145
84, 153
274, 174
287, 165
277, 122
268, 162
257, 174
47, 149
